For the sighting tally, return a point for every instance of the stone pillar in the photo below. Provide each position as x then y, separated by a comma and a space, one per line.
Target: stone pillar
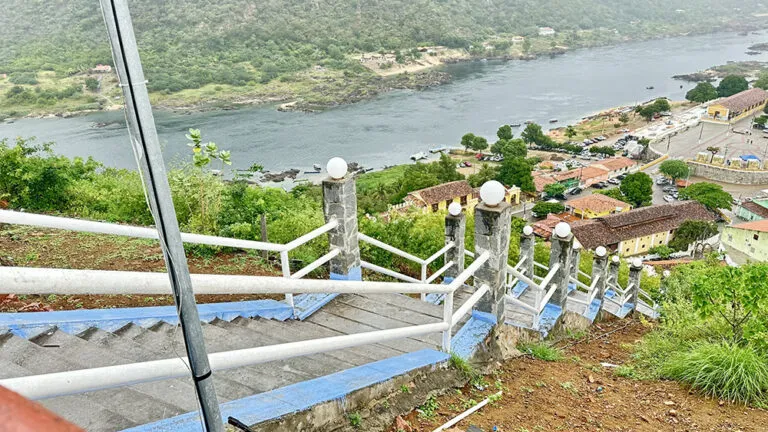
600, 269
635, 269
455, 230
562, 244
527, 247
492, 231
340, 203
613, 270
575, 260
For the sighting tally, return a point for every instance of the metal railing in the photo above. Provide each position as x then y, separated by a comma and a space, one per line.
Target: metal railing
79, 225
424, 263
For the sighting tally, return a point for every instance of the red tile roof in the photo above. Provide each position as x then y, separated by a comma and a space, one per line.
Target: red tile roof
744, 100
443, 192
760, 225
755, 208
615, 164
597, 203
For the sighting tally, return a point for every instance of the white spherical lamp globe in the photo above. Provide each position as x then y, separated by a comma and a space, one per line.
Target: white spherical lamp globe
337, 168
601, 251
562, 230
527, 230
454, 209
615, 259
492, 193
576, 245
637, 262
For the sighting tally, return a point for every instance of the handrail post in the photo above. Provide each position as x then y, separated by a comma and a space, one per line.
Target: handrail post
527, 248
448, 319
575, 260
635, 270
562, 245
613, 270
455, 230
600, 271
492, 231
340, 202
285, 264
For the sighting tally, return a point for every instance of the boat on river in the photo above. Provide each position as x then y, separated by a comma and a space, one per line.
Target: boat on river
514, 125
438, 149
317, 167
553, 120
419, 156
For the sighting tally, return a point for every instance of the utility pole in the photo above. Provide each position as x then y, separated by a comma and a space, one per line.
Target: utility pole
146, 148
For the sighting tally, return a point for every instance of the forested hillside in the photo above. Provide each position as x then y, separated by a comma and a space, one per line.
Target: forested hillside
189, 43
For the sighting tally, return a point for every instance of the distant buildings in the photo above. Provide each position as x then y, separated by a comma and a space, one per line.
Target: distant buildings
756, 209
100, 68
518, 39
637, 231
585, 176
546, 31
595, 206
749, 238
438, 198
737, 107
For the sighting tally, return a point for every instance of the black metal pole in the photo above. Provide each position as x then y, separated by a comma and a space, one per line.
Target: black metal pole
146, 147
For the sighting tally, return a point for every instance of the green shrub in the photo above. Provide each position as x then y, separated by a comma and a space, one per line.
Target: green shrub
541, 351
722, 370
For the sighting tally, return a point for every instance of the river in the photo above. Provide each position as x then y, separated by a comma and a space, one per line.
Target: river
387, 129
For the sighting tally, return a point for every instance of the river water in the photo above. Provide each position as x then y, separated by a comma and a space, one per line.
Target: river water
389, 128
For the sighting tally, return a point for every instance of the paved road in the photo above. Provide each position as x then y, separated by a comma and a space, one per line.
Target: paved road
697, 139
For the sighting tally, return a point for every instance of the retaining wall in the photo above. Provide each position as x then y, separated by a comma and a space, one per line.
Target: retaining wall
728, 175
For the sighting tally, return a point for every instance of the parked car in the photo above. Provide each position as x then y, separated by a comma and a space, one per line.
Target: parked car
741, 131
574, 191
668, 198
600, 185
614, 181
621, 176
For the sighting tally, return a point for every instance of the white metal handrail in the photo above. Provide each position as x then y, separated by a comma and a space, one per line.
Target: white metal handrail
316, 264
388, 248
469, 304
544, 283
580, 284
448, 300
581, 273
439, 253
86, 380
439, 272
541, 266
388, 272
27, 280
593, 288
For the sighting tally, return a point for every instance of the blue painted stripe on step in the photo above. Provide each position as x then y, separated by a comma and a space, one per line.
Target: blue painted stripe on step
484, 316
465, 342
304, 395
519, 289
307, 304
626, 309
548, 318
435, 298
593, 309
31, 324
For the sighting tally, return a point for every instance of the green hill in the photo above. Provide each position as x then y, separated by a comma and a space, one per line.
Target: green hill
187, 44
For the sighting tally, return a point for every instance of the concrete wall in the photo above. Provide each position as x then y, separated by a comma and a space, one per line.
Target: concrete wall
641, 245
744, 241
727, 175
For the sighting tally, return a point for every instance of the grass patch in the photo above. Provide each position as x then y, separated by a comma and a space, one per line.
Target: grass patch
540, 350
722, 370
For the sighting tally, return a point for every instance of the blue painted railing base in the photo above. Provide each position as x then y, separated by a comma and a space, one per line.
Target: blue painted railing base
304, 395
593, 310
31, 324
466, 341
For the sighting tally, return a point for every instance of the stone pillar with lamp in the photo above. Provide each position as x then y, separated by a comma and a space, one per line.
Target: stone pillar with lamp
340, 203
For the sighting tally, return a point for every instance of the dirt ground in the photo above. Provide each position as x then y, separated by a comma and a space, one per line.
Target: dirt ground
578, 394
32, 247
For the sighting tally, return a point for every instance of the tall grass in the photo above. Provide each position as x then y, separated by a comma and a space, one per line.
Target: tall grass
540, 350
722, 370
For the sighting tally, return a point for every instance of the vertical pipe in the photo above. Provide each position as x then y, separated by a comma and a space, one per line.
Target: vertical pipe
423, 279
448, 319
286, 265
146, 147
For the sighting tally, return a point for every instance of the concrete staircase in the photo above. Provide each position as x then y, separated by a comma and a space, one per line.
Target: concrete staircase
57, 350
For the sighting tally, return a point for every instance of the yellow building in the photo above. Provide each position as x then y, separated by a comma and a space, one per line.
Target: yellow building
596, 205
636, 232
738, 106
438, 198
750, 238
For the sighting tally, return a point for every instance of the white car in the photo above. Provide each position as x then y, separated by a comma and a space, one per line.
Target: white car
668, 198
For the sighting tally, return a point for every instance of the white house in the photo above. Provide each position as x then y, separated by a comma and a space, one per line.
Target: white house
546, 31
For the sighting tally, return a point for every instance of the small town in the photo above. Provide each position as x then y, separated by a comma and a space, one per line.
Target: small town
433, 217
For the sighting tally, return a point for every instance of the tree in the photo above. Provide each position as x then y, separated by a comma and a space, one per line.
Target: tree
731, 85
624, 118
762, 81
505, 133
703, 92
554, 190
570, 132
605, 150
486, 174
614, 193
543, 208
691, 231
662, 251
467, 141
516, 171
674, 169
711, 195
526, 46
479, 143
445, 169
510, 148
92, 84
533, 134
648, 111
714, 151
762, 120
637, 189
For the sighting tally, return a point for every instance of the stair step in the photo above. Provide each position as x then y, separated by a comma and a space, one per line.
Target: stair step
347, 326
226, 389
409, 303
304, 330
126, 402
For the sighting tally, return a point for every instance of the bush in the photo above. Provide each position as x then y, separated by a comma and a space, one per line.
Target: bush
541, 209
722, 370
662, 251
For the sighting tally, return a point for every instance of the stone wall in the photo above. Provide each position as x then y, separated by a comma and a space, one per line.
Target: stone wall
727, 175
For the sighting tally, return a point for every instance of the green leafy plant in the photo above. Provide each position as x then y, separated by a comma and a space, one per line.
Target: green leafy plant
355, 420
429, 408
540, 350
